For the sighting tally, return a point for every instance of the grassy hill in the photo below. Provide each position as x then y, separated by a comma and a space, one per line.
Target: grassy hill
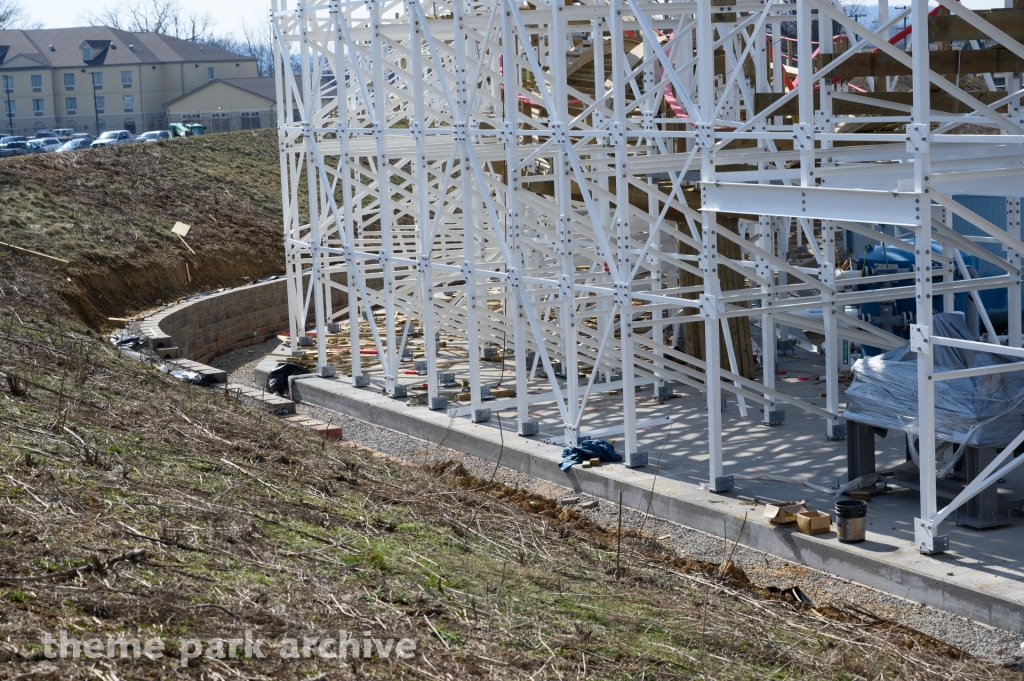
109, 212
135, 506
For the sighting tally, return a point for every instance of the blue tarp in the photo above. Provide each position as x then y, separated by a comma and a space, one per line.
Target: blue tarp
587, 450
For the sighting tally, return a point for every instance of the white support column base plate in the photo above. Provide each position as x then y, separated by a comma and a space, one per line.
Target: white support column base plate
926, 542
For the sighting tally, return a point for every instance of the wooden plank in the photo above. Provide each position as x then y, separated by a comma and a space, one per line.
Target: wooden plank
947, 62
950, 27
739, 328
940, 101
26, 251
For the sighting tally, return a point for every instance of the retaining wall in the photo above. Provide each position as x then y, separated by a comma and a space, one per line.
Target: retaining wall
204, 327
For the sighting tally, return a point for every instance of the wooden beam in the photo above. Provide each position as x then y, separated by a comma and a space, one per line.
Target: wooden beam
951, 27
940, 101
946, 62
19, 249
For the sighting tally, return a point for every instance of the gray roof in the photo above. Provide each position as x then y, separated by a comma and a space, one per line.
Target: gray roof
264, 86
61, 47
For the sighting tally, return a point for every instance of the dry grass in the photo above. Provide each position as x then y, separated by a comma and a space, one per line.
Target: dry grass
110, 211
246, 524
120, 202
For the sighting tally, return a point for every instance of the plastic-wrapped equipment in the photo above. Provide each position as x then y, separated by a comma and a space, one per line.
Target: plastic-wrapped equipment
981, 411
277, 379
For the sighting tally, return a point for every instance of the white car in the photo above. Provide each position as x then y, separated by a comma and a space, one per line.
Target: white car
45, 145
153, 136
112, 138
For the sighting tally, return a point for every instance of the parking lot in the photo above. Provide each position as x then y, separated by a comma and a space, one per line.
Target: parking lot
65, 140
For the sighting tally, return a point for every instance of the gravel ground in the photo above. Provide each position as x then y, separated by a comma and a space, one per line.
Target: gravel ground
241, 363
763, 570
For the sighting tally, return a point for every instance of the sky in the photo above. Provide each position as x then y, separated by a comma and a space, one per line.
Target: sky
228, 14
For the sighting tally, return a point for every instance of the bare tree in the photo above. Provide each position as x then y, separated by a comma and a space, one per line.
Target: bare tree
13, 15
154, 16
855, 9
257, 42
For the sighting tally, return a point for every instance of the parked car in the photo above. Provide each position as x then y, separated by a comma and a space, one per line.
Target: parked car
75, 145
42, 134
83, 136
12, 138
153, 136
14, 149
112, 138
44, 145
64, 134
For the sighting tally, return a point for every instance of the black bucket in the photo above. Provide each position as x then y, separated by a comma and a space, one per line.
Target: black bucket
851, 518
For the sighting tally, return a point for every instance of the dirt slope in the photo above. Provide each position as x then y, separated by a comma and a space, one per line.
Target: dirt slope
135, 506
109, 212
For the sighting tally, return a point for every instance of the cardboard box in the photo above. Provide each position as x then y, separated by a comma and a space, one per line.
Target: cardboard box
783, 514
813, 522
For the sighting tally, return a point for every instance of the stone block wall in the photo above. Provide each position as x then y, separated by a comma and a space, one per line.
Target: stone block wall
204, 327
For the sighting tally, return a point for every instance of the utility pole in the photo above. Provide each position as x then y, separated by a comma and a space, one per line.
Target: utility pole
900, 9
8, 86
95, 109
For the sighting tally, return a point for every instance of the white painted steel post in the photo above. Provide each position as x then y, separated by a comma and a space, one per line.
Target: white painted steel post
918, 142
515, 221
558, 120
765, 270
469, 214
346, 230
830, 311
316, 274
418, 128
717, 481
1013, 292
289, 200
390, 359
623, 263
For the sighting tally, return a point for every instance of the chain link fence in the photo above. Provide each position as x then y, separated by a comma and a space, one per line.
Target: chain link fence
228, 122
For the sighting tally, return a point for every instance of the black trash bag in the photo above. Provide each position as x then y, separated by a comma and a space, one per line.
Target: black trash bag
277, 380
126, 341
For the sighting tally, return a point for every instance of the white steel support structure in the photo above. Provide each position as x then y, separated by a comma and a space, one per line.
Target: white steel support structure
546, 177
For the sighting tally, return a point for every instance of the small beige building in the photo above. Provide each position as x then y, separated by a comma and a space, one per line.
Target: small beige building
99, 78
228, 104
